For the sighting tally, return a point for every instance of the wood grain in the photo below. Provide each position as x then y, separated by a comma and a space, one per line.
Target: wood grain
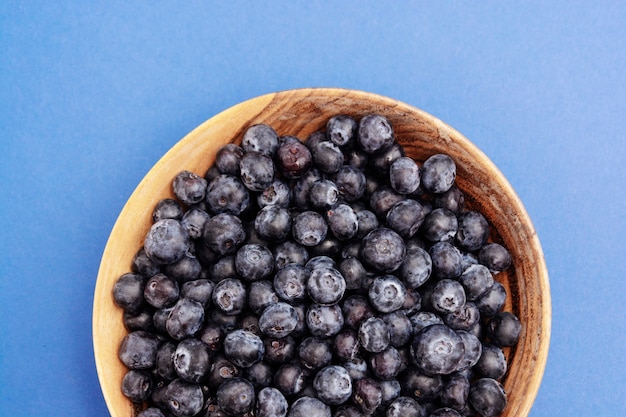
299, 113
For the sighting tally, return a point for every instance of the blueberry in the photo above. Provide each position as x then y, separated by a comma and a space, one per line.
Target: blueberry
151, 412
278, 320
161, 291
455, 392
212, 335
367, 221
327, 156
185, 319
229, 296
437, 349
416, 267
273, 223
189, 187
314, 353
415, 383
400, 328
289, 379
254, 262
138, 350
473, 231
261, 294
223, 267
243, 348
141, 320
487, 397
440, 225
333, 385
453, 200
383, 199
187, 268
324, 320
221, 371
348, 411
192, 360
405, 217
325, 285
128, 292
386, 364
374, 335
309, 407
404, 175
279, 350
164, 364
330, 246
236, 396
380, 162
260, 374
290, 283
447, 296
137, 385
323, 194
257, 171
342, 221
167, 241
249, 321
227, 194
504, 328
167, 208
476, 281
492, 301
375, 133
309, 228
356, 309
492, 362
387, 294
495, 257
382, 249
184, 399
224, 234
367, 395
288, 252
302, 187
473, 350
199, 290
227, 159
354, 273
277, 193
445, 412
423, 319
391, 389
446, 259
405, 406
193, 222
350, 182
438, 173
293, 159
341, 130
357, 367
260, 138
143, 265
320, 261
271, 403
346, 344
463, 319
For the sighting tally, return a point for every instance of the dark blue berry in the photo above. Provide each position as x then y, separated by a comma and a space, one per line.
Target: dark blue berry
227, 194
259, 374
423, 319
324, 320
383, 249
476, 280
437, 349
383, 199
167, 241
227, 159
151, 412
229, 296
193, 222
492, 362
236, 396
278, 320
320, 261
348, 411
199, 290
416, 267
137, 385
261, 294
405, 217
447, 260
277, 193
161, 291
346, 344
143, 265
487, 397
492, 301
375, 133
380, 162
314, 353
189, 188
356, 309
293, 159
354, 273
271, 403
167, 208
473, 350
453, 200
367, 221
290, 283
279, 350
341, 130
495, 257
386, 364
260, 138
438, 173
164, 365
439, 225
288, 252
187, 268
405, 406
333, 385
325, 285
323, 194
447, 296
185, 319
273, 223
463, 319
350, 182
302, 187
400, 328
327, 156
309, 228
455, 392
374, 335
254, 262
473, 231
192, 360
309, 407
128, 292
243, 348
224, 234
367, 395
404, 175
504, 328
221, 371
138, 350
342, 221
423, 387
184, 399
387, 293
289, 378
256, 171
445, 412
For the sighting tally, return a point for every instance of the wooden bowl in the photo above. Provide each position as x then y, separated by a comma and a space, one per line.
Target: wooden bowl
299, 113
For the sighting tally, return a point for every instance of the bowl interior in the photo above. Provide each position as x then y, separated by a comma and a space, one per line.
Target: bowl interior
299, 113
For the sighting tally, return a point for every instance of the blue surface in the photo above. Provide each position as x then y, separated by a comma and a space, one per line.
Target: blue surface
92, 95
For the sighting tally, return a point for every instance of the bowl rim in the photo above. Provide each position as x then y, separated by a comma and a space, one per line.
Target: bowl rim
266, 100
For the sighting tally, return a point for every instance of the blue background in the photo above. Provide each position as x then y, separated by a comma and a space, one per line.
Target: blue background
92, 94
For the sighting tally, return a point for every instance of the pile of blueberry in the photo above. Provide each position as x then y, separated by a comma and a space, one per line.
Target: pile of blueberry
332, 277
